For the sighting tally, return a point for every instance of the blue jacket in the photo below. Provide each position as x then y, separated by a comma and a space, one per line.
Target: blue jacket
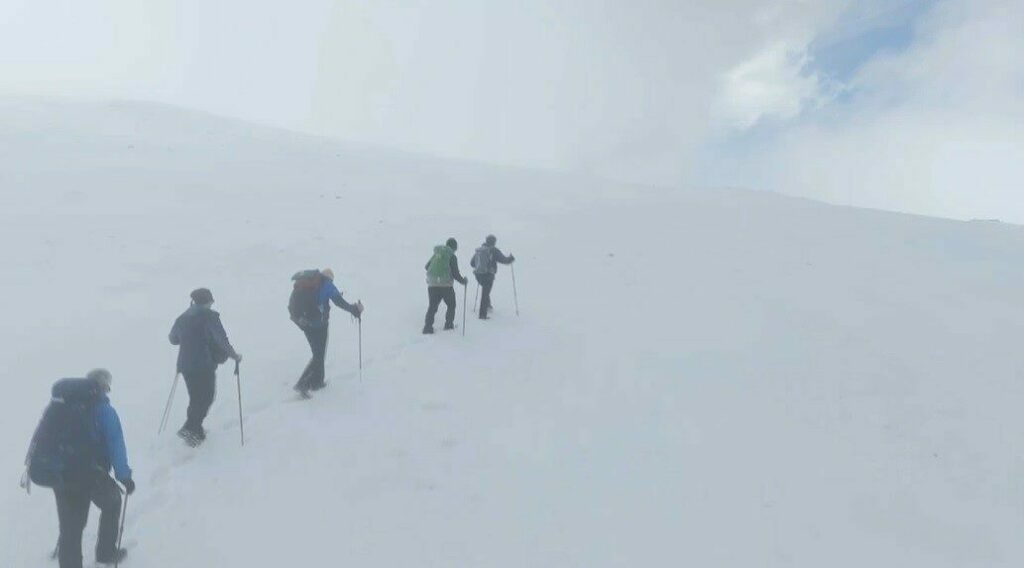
330, 293
111, 439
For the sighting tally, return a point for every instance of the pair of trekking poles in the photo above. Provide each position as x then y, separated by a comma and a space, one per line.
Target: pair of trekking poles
465, 295
174, 387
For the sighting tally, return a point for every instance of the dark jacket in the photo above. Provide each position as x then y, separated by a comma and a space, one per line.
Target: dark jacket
203, 342
491, 267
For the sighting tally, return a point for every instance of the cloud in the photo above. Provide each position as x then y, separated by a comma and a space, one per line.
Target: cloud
771, 85
931, 129
900, 104
622, 89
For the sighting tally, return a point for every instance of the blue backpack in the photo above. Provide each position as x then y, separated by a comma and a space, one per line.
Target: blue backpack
65, 449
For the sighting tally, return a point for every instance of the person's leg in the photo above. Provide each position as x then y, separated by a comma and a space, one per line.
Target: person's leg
107, 497
72, 514
206, 391
434, 294
486, 284
319, 344
192, 383
449, 302
307, 373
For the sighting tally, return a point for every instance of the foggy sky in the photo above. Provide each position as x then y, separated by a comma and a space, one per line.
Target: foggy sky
911, 105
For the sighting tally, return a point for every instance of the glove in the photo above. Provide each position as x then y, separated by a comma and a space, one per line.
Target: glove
129, 486
237, 357
511, 258
465, 281
359, 309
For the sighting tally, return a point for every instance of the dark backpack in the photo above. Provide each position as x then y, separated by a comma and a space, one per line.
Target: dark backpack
483, 260
302, 305
65, 448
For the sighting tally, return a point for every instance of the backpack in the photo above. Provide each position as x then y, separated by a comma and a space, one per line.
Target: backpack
302, 305
483, 261
65, 448
439, 272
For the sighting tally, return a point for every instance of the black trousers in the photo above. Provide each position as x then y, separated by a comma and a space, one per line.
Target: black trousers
73, 513
436, 294
313, 375
486, 282
202, 388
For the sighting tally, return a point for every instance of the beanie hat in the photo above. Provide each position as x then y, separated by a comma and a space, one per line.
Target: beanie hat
202, 296
102, 378
491, 240
328, 274
452, 244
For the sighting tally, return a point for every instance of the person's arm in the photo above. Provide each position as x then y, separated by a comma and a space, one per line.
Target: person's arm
32, 443
175, 335
113, 439
454, 265
498, 257
335, 296
219, 337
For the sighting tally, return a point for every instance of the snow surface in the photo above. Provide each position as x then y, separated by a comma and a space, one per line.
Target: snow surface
698, 378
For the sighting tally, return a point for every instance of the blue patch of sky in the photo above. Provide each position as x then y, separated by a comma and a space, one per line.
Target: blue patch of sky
860, 35
867, 30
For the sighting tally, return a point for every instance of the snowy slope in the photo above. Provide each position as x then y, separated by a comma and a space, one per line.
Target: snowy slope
698, 378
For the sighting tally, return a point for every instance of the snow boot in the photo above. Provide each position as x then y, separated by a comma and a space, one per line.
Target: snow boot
428, 330
193, 439
114, 557
449, 326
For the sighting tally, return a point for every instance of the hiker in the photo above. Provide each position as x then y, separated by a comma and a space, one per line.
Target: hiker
78, 441
442, 272
310, 309
485, 266
203, 345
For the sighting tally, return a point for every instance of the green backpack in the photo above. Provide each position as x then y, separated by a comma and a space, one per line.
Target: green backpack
439, 272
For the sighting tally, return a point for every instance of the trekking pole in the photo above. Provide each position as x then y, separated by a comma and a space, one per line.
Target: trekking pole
120, 533
476, 295
167, 409
465, 296
515, 294
360, 348
238, 382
